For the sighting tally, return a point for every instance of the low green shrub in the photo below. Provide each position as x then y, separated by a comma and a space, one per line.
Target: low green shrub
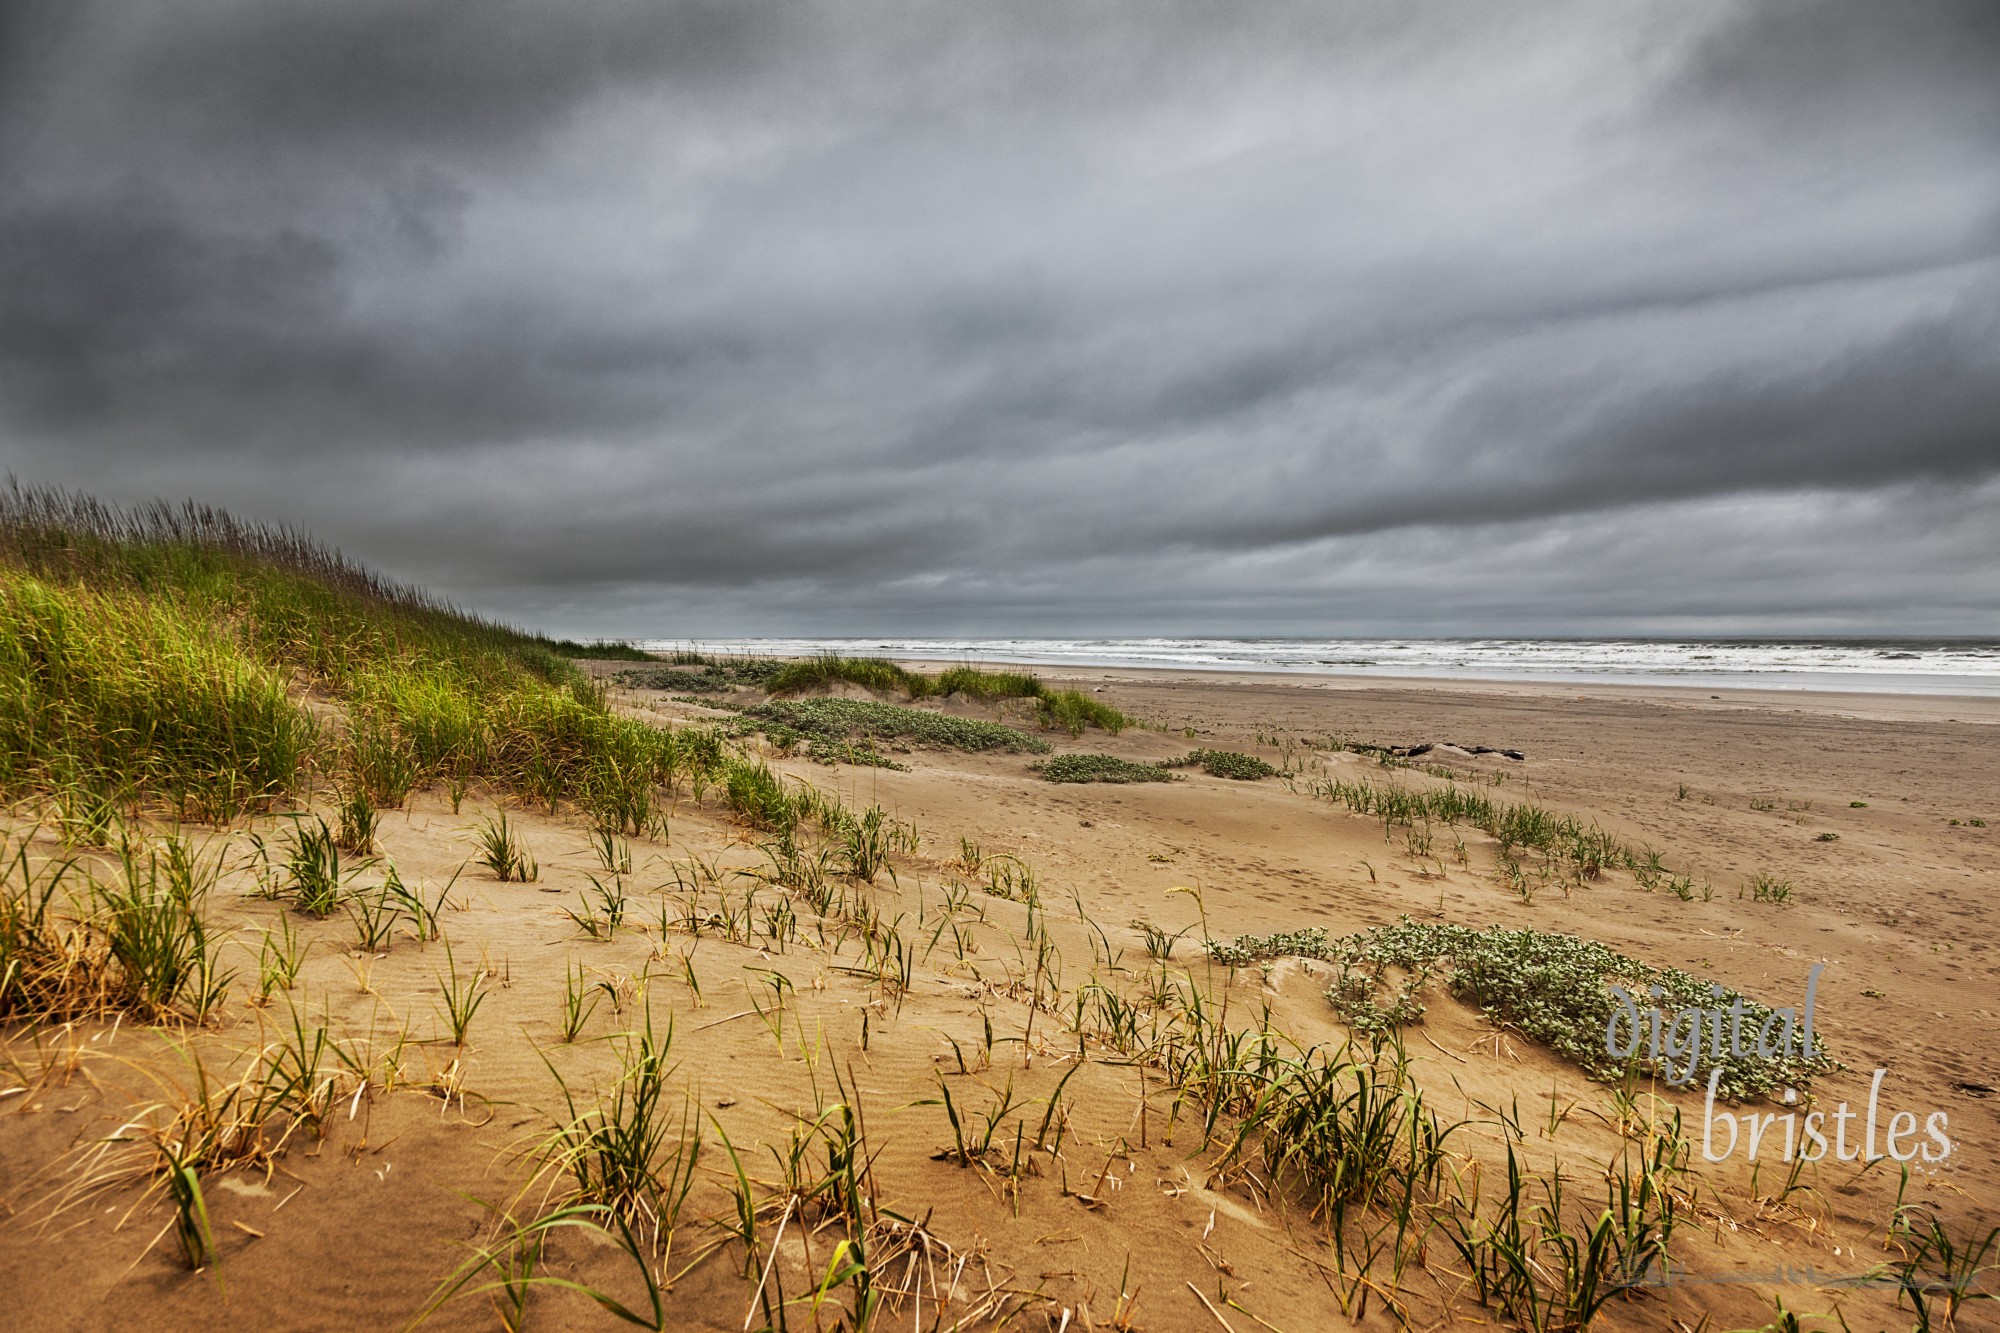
860, 754
702, 676
1547, 986
1226, 764
842, 719
1100, 768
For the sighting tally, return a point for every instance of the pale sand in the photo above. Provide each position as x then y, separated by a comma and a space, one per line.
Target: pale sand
1899, 909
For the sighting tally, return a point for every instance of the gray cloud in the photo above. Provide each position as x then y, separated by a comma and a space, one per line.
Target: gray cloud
701, 318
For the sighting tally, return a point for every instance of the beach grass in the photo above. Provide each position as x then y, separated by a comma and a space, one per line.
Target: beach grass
601, 650
988, 686
826, 670
1582, 851
158, 656
1072, 711
1068, 710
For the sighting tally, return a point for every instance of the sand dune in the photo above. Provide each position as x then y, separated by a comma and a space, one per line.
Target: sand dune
1132, 1217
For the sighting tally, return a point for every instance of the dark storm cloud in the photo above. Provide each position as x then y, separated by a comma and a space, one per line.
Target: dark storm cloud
1811, 65
926, 315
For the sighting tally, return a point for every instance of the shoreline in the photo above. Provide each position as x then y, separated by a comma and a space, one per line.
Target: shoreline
1865, 705
1956, 669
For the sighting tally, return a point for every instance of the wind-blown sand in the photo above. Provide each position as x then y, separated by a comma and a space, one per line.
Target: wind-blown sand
357, 1231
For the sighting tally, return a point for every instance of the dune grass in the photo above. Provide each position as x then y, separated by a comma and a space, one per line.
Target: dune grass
601, 650
106, 693
76, 942
1068, 710
829, 669
988, 686
1582, 851
158, 655
1073, 711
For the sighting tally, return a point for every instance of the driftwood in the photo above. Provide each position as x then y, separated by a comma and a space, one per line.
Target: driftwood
1413, 751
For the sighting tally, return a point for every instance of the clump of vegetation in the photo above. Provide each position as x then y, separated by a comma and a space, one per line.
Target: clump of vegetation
107, 693
758, 796
601, 650
1939, 1272
861, 754
843, 719
1101, 768
1546, 986
1768, 889
152, 655
988, 686
702, 675
502, 851
1070, 710
1226, 764
829, 669
1583, 851
1073, 711
74, 943
312, 862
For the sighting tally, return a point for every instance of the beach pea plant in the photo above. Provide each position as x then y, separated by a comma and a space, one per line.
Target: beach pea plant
1226, 764
1553, 988
1100, 768
838, 720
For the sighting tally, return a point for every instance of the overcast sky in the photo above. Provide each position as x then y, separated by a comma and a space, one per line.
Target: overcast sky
706, 319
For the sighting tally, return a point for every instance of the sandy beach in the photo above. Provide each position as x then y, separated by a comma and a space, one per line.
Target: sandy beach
945, 668
1133, 1217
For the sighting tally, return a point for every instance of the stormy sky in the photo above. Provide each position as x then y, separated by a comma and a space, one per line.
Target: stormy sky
1093, 317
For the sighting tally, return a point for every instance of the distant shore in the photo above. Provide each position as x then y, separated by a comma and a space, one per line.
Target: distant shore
1965, 668
1874, 705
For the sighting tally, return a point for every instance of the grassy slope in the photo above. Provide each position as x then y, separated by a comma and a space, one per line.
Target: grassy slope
163, 655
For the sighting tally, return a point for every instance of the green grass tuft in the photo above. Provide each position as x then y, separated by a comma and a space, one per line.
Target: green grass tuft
830, 669
1073, 712
1070, 710
601, 650
988, 686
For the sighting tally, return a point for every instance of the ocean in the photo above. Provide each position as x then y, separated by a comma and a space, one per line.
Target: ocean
1912, 666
